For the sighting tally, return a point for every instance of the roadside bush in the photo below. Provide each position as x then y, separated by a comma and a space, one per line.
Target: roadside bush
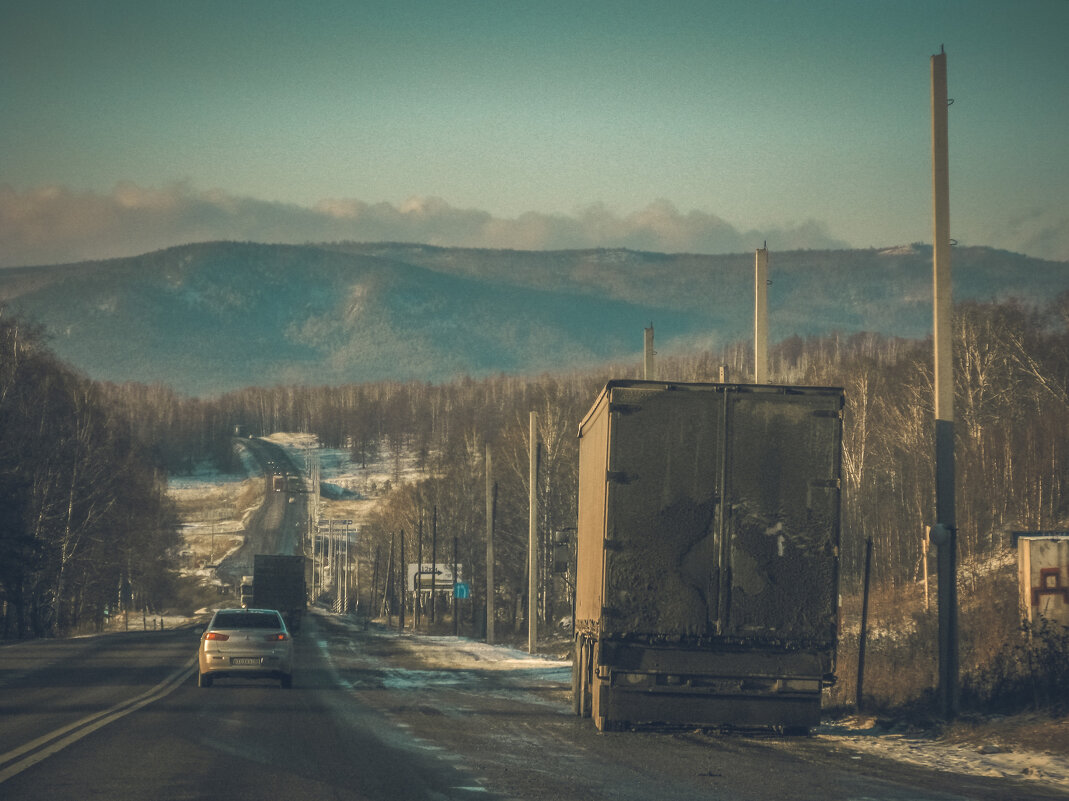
1005, 666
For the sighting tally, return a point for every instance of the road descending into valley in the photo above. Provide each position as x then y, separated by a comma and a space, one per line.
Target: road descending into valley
279, 524
374, 714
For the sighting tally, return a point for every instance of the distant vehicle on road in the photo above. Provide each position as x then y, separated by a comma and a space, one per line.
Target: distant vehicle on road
253, 643
245, 592
279, 582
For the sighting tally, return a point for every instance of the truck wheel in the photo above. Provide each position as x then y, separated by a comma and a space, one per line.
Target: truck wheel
204, 680
577, 668
585, 702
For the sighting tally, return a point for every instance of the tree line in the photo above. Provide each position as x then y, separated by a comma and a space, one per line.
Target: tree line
86, 529
1012, 453
1012, 412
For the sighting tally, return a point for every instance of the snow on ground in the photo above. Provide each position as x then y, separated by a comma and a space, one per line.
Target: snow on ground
212, 508
448, 661
458, 653
348, 491
990, 757
430, 662
863, 735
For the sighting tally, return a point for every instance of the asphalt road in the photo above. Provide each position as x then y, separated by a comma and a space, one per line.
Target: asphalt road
64, 734
278, 525
119, 717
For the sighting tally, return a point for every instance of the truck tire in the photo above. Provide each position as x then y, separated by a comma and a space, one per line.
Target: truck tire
577, 655
204, 680
586, 656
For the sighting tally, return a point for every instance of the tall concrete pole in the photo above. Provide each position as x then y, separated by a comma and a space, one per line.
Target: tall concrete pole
489, 548
945, 531
760, 329
649, 370
532, 542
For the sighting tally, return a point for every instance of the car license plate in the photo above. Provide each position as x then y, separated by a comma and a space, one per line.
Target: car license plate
245, 660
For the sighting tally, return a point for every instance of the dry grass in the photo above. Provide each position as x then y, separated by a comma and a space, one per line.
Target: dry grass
1005, 668
212, 518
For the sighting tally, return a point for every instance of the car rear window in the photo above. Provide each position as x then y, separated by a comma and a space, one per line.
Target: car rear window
246, 620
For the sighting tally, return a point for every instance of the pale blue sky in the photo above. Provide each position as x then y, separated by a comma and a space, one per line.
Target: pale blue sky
770, 118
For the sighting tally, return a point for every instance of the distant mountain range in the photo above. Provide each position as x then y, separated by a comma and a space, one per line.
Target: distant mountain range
212, 317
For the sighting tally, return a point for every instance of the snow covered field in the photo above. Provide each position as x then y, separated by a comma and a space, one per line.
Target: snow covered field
347, 491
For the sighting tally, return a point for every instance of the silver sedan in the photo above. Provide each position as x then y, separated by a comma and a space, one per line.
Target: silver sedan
254, 643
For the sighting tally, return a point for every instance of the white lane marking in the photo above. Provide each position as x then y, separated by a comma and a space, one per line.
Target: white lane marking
51, 743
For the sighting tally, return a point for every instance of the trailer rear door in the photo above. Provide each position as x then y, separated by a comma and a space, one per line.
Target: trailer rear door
782, 514
661, 543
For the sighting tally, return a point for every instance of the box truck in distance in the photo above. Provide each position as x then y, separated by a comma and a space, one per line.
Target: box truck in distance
707, 554
279, 582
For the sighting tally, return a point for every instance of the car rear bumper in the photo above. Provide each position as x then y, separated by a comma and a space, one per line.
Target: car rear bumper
218, 665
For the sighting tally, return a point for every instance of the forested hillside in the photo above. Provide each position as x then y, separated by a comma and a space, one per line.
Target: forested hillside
214, 317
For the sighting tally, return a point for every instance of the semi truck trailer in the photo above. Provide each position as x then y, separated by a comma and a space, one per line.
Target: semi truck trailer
707, 581
279, 582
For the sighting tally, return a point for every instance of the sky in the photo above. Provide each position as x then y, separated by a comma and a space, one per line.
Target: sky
675, 125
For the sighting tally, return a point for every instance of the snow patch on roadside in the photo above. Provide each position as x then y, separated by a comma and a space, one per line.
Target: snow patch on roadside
451, 660
459, 653
205, 475
988, 759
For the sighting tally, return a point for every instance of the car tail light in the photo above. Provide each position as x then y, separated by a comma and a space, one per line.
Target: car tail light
277, 636
215, 635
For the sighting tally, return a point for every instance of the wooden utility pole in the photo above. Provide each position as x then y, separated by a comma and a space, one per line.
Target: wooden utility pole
863, 637
434, 562
417, 582
760, 331
489, 548
532, 540
456, 578
649, 369
944, 533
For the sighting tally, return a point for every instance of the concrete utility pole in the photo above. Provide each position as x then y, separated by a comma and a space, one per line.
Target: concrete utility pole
489, 548
944, 532
760, 328
345, 571
649, 370
532, 542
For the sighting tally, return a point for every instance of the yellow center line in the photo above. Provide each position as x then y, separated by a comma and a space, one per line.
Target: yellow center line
55, 741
